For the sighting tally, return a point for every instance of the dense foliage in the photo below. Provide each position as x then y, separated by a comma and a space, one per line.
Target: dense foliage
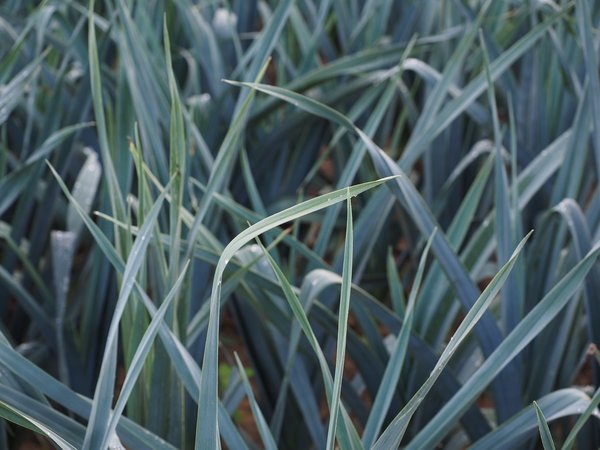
183, 260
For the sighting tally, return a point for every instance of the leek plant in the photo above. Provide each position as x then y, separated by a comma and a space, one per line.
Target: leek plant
362, 224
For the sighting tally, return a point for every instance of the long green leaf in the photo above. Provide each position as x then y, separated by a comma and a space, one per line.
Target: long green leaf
590, 410
39, 418
133, 434
261, 423
393, 369
116, 198
207, 435
140, 355
105, 387
183, 362
344, 309
531, 325
347, 436
487, 331
393, 434
473, 90
547, 441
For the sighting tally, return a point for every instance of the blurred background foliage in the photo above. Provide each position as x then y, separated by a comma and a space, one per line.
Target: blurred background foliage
490, 111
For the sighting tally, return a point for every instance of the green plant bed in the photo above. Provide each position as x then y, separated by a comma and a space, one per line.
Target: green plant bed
299, 224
